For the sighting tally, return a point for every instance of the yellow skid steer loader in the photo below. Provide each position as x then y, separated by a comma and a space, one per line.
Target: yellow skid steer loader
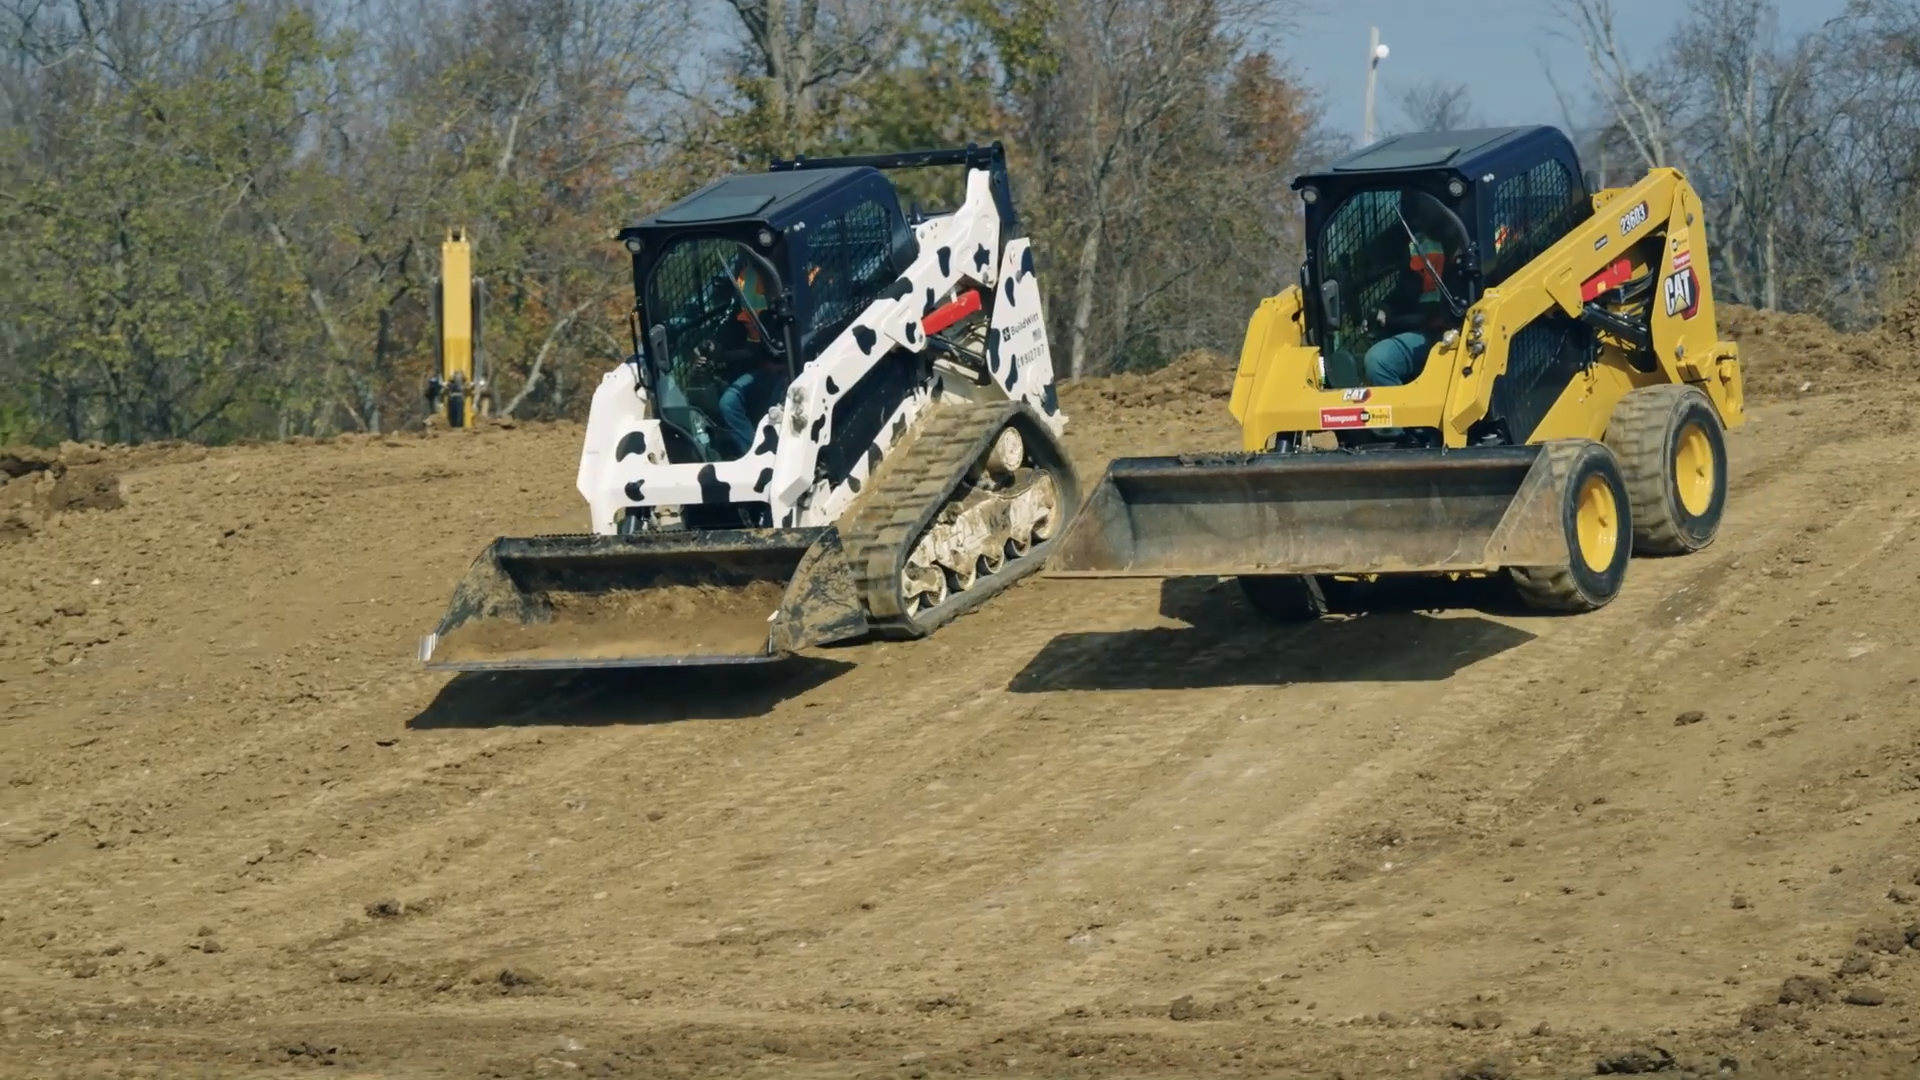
1484, 369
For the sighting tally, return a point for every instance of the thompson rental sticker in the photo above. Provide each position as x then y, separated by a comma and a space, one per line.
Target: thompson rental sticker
1356, 417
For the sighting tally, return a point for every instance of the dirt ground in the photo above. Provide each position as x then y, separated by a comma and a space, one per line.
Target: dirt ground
1092, 830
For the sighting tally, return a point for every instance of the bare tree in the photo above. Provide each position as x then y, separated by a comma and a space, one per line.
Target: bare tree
1745, 113
1632, 97
1756, 121
1435, 105
800, 47
1112, 128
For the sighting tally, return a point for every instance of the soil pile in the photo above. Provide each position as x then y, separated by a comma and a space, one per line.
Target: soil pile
37, 483
1784, 355
1182, 405
1900, 332
1202, 376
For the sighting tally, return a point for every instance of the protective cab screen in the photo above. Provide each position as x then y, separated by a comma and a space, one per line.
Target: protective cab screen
714, 373
1389, 262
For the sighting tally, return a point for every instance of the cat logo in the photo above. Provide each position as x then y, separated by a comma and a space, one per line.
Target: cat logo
1682, 291
1356, 393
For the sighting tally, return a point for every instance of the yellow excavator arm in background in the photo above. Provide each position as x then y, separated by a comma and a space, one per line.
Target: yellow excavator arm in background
1653, 227
457, 389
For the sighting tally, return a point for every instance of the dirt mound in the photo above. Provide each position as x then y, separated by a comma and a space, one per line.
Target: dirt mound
36, 483
1900, 330
1182, 405
1203, 376
1784, 355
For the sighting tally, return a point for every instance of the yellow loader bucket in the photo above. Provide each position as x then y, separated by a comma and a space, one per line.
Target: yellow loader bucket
665, 598
1388, 511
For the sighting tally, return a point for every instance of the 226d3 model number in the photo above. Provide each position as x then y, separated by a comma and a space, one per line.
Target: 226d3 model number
1633, 219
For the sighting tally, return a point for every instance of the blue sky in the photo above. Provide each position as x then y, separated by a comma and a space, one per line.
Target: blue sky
1490, 45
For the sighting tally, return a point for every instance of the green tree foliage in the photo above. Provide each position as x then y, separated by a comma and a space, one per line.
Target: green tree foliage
224, 219
141, 309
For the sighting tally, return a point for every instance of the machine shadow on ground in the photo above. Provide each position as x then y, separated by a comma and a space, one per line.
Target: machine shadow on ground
1226, 643
630, 696
1206, 601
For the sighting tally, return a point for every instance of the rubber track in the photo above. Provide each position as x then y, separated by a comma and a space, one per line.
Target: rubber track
906, 498
1638, 438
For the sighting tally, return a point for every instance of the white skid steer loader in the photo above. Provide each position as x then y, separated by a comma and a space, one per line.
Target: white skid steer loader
837, 423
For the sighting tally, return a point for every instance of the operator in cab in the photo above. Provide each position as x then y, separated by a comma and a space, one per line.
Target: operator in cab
748, 397
1415, 314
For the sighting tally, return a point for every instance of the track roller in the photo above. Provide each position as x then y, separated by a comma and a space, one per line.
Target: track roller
969, 508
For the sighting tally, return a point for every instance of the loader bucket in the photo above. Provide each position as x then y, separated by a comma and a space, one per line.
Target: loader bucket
1374, 512
666, 598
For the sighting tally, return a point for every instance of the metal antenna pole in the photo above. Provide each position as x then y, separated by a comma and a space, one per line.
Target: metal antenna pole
1373, 69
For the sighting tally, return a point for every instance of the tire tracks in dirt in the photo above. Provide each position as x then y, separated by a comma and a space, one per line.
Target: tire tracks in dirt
1028, 810
1242, 824
1586, 712
1043, 824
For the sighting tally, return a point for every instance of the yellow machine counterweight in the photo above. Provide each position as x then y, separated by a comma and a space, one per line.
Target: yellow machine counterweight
458, 390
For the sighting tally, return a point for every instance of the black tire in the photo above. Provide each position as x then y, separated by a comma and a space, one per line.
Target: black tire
1584, 473
1284, 598
1673, 453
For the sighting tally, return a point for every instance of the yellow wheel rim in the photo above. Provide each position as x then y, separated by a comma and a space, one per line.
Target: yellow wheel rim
1693, 470
1598, 521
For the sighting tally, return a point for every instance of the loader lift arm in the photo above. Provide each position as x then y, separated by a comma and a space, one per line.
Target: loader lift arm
1627, 272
